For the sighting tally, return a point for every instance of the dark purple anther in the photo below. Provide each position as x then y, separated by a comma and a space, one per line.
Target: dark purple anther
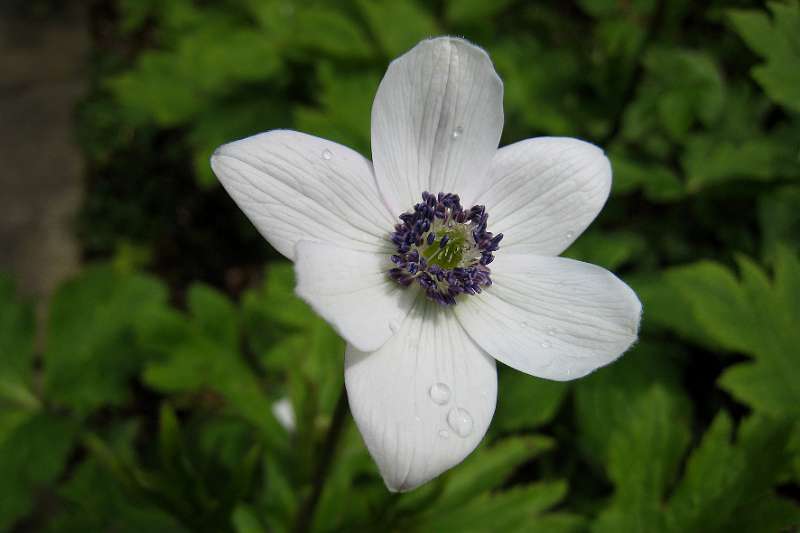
418, 229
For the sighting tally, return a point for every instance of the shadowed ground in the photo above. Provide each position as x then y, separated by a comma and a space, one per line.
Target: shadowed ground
42, 61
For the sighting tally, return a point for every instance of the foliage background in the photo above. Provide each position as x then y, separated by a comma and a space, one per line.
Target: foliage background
151, 406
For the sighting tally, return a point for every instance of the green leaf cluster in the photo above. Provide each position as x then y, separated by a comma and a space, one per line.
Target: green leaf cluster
147, 402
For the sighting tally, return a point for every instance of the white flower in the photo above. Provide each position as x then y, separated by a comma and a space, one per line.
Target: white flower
283, 411
420, 374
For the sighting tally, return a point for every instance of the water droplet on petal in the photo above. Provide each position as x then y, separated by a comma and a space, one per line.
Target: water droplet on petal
327, 155
524, 324
570, 234
394, 326
460, 421
546, 344
457, 132
439, 393
417, 419
551, 330
443, 433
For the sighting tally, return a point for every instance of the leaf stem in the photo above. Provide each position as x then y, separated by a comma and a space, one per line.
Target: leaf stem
305, 514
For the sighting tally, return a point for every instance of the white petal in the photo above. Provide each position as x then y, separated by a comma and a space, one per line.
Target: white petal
296, 187
552, 317
544, 192
412, 433
351, 290
283, 411
436, 122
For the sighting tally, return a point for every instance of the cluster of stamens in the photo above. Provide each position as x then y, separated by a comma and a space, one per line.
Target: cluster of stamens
444, 248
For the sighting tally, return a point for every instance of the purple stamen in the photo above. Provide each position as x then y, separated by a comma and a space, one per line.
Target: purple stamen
418, 228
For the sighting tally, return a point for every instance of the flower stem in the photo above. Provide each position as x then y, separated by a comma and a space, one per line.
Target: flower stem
305, 514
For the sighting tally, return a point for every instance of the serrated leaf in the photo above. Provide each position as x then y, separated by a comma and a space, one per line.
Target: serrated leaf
726, 482
774, 39
329, 30
172, 85
488, 468
201, 352
608, 401
658, 182
752, 315
710, 160
91, 349
515, 509
411, 23
673, 104
345, 102
32, 456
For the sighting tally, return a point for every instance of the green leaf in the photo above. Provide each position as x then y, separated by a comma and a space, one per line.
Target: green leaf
172, 85
610, 250
644, 455
754, 316
410, 23
726, 483
202, 352
329, 31
525, 402
487, 468
344, 107
776, 41
658, 182
673, 104
91, 350
245, 520
710, 160
696, 300
608, 402
32, 456
516, 509
289, 337
16, 348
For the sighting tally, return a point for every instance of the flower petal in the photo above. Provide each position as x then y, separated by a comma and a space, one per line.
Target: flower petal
436, 122
552, 317
424, 400
544, 192
352, 291
296, 187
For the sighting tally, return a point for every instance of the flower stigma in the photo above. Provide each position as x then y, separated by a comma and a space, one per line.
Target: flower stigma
444, 248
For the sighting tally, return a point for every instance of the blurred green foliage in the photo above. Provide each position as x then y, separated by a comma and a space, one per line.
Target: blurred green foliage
150, 407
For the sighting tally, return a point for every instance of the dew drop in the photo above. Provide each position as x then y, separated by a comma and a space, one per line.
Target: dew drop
524, 324
460, 421
417, 419
457, 132
443, 433
394, 326
551, 330
546, 344
570, 234
327, 155
439, 393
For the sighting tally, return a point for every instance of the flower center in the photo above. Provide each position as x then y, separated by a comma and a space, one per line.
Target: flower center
444, 248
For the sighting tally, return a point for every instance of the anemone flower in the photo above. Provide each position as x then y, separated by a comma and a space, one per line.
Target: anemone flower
396, 254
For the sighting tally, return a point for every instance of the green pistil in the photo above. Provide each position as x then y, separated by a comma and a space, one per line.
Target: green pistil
450, 255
